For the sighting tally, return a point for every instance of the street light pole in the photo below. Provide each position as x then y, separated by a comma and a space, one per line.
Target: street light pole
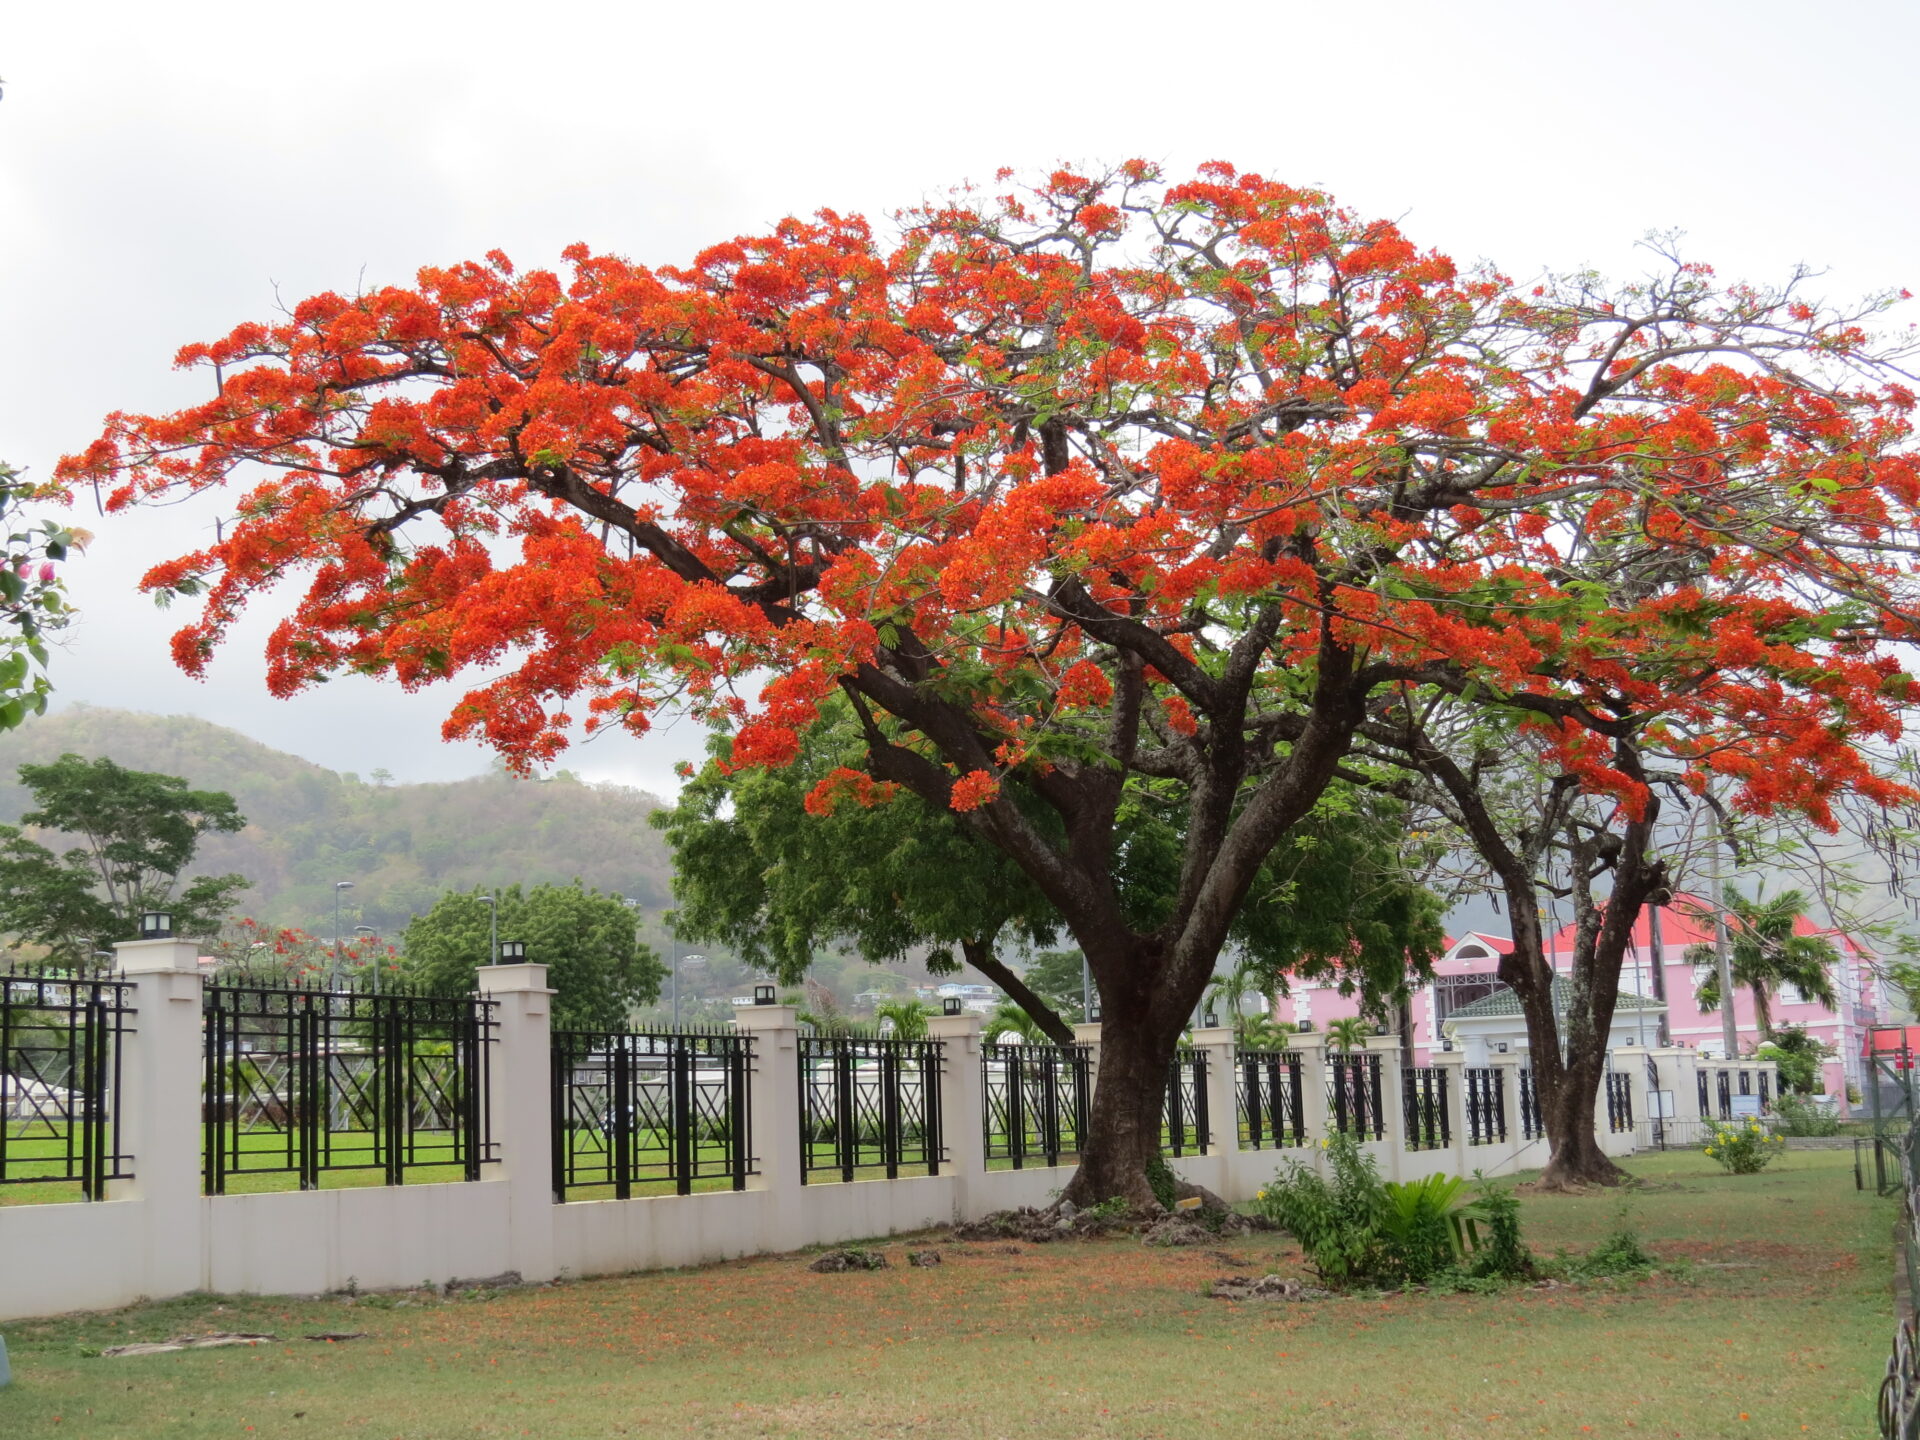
493, 928
333, 981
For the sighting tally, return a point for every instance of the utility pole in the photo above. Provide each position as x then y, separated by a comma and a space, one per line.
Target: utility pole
1729, 1027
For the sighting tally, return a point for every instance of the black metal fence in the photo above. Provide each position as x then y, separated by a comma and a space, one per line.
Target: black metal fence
1486, 1105
1035, 1100
1423, 1099
304, 1082
1619, 1101
1271, 1102
869, 1104
1723, 1088
1354, 1102
649, 1109
1186, 1128
60, 1081
1532, 1127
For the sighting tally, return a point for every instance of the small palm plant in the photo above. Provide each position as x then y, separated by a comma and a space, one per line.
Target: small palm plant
909, 1018
1347, 1033
1009, 1017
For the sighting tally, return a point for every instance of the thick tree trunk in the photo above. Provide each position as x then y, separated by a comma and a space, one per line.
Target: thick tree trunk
1123, 1130
1569, 1113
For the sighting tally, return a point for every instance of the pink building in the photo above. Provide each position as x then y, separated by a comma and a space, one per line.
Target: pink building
1465, 974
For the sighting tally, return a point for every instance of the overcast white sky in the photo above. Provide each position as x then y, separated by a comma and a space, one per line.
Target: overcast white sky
167, 169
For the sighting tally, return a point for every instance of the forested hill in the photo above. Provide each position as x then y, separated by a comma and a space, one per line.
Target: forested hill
401, 845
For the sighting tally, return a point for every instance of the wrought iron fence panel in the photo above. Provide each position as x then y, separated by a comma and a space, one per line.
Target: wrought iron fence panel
1423, 1098
1766, 1097
1532, 1127
60, 1041
869, 1104
1726, 1095
1272, 1114
1185, 1126
635, 1108
1035, 1100
305, 1081
1619, 1101
1486, 1105
1354, 1095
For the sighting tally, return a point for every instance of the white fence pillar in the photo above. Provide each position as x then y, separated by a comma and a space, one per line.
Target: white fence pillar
1311, 1047
159, 1102
1454, 1063
962, 1108
1392, 1145
520, 1109
773, 1105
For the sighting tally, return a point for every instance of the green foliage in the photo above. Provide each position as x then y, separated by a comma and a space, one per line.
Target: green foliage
1803, 1115
594, 960
32, 601
1419, 1229
1348, 1033
1337, 1221
1357, 1230
1492, 1223
1008, 1017
909, 1018
760, 873
1797, 1055
1162, 1181
757, 872
1054, 975
1619, 1254
1742, 1147
138, 830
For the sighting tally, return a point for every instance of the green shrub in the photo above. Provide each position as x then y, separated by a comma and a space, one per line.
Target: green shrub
1800, 1115
1743, 1148
1419, 1227
1337, 1221
1493, 1232
1162, 1181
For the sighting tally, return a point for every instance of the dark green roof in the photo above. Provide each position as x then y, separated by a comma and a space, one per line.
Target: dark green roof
1504, 1002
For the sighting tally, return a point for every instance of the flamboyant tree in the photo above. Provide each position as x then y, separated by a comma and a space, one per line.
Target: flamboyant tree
1105, 486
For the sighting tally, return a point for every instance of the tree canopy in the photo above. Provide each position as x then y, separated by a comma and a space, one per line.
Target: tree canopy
771, 867
138, 832
1106, 491
595, 962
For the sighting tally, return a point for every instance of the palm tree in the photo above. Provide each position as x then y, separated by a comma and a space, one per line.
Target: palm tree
1008, 1016
1765, 953
909, 1018
1228, 995
1263, 1032
1348, 1033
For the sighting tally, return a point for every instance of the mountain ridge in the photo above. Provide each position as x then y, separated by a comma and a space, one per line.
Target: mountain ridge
402, 845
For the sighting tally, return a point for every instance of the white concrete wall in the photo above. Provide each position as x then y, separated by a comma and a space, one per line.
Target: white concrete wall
159, 1236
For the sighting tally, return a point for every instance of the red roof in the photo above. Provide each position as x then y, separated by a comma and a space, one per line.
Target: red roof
1687, 920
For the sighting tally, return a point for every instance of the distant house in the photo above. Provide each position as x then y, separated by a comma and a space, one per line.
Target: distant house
1657, 989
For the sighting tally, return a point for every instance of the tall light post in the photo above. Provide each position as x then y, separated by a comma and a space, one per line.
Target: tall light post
374, 934
493, 928
333, 981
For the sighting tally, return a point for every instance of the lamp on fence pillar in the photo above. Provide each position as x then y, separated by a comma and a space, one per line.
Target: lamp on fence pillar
763, 994
513, 952
155, 925
1093, 1011
1210, 1021
950, 1005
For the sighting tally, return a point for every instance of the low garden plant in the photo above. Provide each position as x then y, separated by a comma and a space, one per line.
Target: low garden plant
1744, 1147
1803, 1115
1357, 1230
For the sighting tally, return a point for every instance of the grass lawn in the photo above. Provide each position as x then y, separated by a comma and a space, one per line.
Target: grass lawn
1774, 1323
